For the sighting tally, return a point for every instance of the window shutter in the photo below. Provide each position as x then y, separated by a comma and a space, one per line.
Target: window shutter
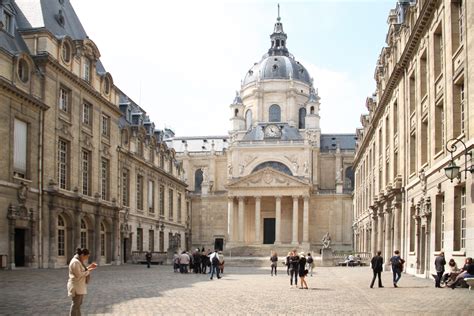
19, 153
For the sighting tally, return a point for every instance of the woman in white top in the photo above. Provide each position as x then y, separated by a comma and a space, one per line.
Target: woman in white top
78, 278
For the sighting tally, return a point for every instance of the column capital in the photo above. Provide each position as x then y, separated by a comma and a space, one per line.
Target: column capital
257, 197
278, 198
230, 197
306, 198
241, 198
295, 197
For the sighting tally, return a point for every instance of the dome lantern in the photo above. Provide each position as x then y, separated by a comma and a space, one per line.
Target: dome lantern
278, 39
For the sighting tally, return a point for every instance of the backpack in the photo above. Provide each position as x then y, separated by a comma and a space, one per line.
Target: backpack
310, 259
215, 261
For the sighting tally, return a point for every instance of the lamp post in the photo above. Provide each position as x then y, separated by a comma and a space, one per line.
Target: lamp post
452, 170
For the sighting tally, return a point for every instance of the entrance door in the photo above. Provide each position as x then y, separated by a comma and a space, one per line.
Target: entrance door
219, 244
19, 247
125, 250
423, 249
268, 230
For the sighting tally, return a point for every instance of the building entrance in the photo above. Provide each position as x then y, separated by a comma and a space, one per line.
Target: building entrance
219, 244
268, 230
19, 247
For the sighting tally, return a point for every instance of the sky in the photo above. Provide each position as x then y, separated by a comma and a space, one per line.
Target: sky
182, 61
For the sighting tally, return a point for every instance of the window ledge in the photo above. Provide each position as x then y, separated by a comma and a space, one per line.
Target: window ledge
20, 179
412, 253
459, 253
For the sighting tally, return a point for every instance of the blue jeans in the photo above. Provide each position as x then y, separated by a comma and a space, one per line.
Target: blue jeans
397, 274
215, 269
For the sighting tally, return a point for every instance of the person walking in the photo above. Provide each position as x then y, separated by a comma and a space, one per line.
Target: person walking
79, 276
214, 259
439, 263
377, 267
310, 263
302, 271
274, 262
287, 263
184, 262
294, 262
221, 262
397, 267
148, 259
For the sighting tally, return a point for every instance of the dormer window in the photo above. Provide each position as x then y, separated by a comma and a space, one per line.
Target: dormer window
7, 21
23, 70
66, 52
107, 86
87, 70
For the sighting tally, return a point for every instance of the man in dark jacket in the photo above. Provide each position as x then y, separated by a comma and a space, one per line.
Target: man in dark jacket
440, 262
377, 267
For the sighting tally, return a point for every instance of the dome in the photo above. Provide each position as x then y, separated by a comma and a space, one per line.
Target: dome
277, 67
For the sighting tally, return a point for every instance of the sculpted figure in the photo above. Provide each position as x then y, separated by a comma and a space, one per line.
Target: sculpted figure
326, 241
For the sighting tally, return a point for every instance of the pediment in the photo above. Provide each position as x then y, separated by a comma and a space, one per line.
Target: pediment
267, 177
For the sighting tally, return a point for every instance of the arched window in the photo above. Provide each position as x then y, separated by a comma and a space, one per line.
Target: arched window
274, 113
61, 236
102, 239
197, 180
301, 118
248, 119
311, 110
236, 112
275, 165
83, 234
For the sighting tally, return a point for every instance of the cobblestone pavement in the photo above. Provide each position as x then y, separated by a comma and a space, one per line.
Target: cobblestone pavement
136, 290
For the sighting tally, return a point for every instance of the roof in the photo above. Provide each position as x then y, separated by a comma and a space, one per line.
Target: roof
332, 141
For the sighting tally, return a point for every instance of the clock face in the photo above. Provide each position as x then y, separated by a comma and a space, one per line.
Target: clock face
272, 131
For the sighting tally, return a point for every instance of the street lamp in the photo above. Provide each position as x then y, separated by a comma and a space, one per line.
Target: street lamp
452, 170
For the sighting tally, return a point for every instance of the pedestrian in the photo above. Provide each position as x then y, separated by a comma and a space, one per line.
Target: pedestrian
397, 267
183, 262
221, 262
204, 260
453, 271
79, 276
310, 263
214, 259
197, 261
302, 272
440, 262
287, 263
377, 267
148, 259
176, 262
467, 271
294, 265
274, 262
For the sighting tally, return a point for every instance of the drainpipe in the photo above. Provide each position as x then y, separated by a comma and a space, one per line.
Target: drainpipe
40, 190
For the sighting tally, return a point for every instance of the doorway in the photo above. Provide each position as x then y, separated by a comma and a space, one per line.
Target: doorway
19, 247
125, 246
422, 250
268, 230
219, 244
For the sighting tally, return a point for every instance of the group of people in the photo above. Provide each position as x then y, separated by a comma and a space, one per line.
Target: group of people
377, 267
298, 265
199, 261
455, 275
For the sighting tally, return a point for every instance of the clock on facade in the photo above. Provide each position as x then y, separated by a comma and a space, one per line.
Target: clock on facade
272, 131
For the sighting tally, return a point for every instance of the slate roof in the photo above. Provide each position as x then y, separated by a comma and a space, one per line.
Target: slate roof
330, 141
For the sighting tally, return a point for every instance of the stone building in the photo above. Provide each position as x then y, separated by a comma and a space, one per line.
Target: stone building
274, 182
63, 127
422, 105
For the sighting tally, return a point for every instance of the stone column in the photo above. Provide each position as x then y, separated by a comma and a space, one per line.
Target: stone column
388, 237
258, 239
396, 209
277, 220
294, 239
53, 244
115, 238
77, 229
373, 235
230, 218
380, 231
97, 239
306, 220
241, 218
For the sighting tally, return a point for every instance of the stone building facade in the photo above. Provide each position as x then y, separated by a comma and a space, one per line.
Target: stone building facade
274, 182
63, 123
423, 100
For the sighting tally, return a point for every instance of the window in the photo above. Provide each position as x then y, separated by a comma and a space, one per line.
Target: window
439, 127
106, 85
64, 98
139, 147
162, 200
23, 70
424, 141
274, 113
395, 118
461, 21
105, 179
63, 162
301, 118
87, 113
423, 75
86, 172
162, 161
84, 243
125, 188
457, 24
151, 240
139, 192
139, 239
459, 239
248, 119
162, 241
412, 96
66, 52
20, 137
462, 105
180, 202
170, 168
151, 197
459, 109
412, 229
412, 153
170, 203
438, 51
105, 125
61, 237
87, 69
198, 178
8, 22
102, 240
439, 230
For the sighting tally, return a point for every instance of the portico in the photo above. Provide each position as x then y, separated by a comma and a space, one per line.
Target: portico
265, 206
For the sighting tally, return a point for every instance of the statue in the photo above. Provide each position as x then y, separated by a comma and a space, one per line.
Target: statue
241, 169
22, 193
205, 175
326, 241
229, 170
422, 178
305, 168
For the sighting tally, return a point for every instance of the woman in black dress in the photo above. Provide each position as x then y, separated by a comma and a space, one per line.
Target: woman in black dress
302, 272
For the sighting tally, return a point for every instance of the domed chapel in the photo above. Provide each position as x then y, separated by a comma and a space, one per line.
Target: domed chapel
275, 181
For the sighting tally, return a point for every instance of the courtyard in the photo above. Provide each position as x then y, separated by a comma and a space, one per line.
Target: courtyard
136, 290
